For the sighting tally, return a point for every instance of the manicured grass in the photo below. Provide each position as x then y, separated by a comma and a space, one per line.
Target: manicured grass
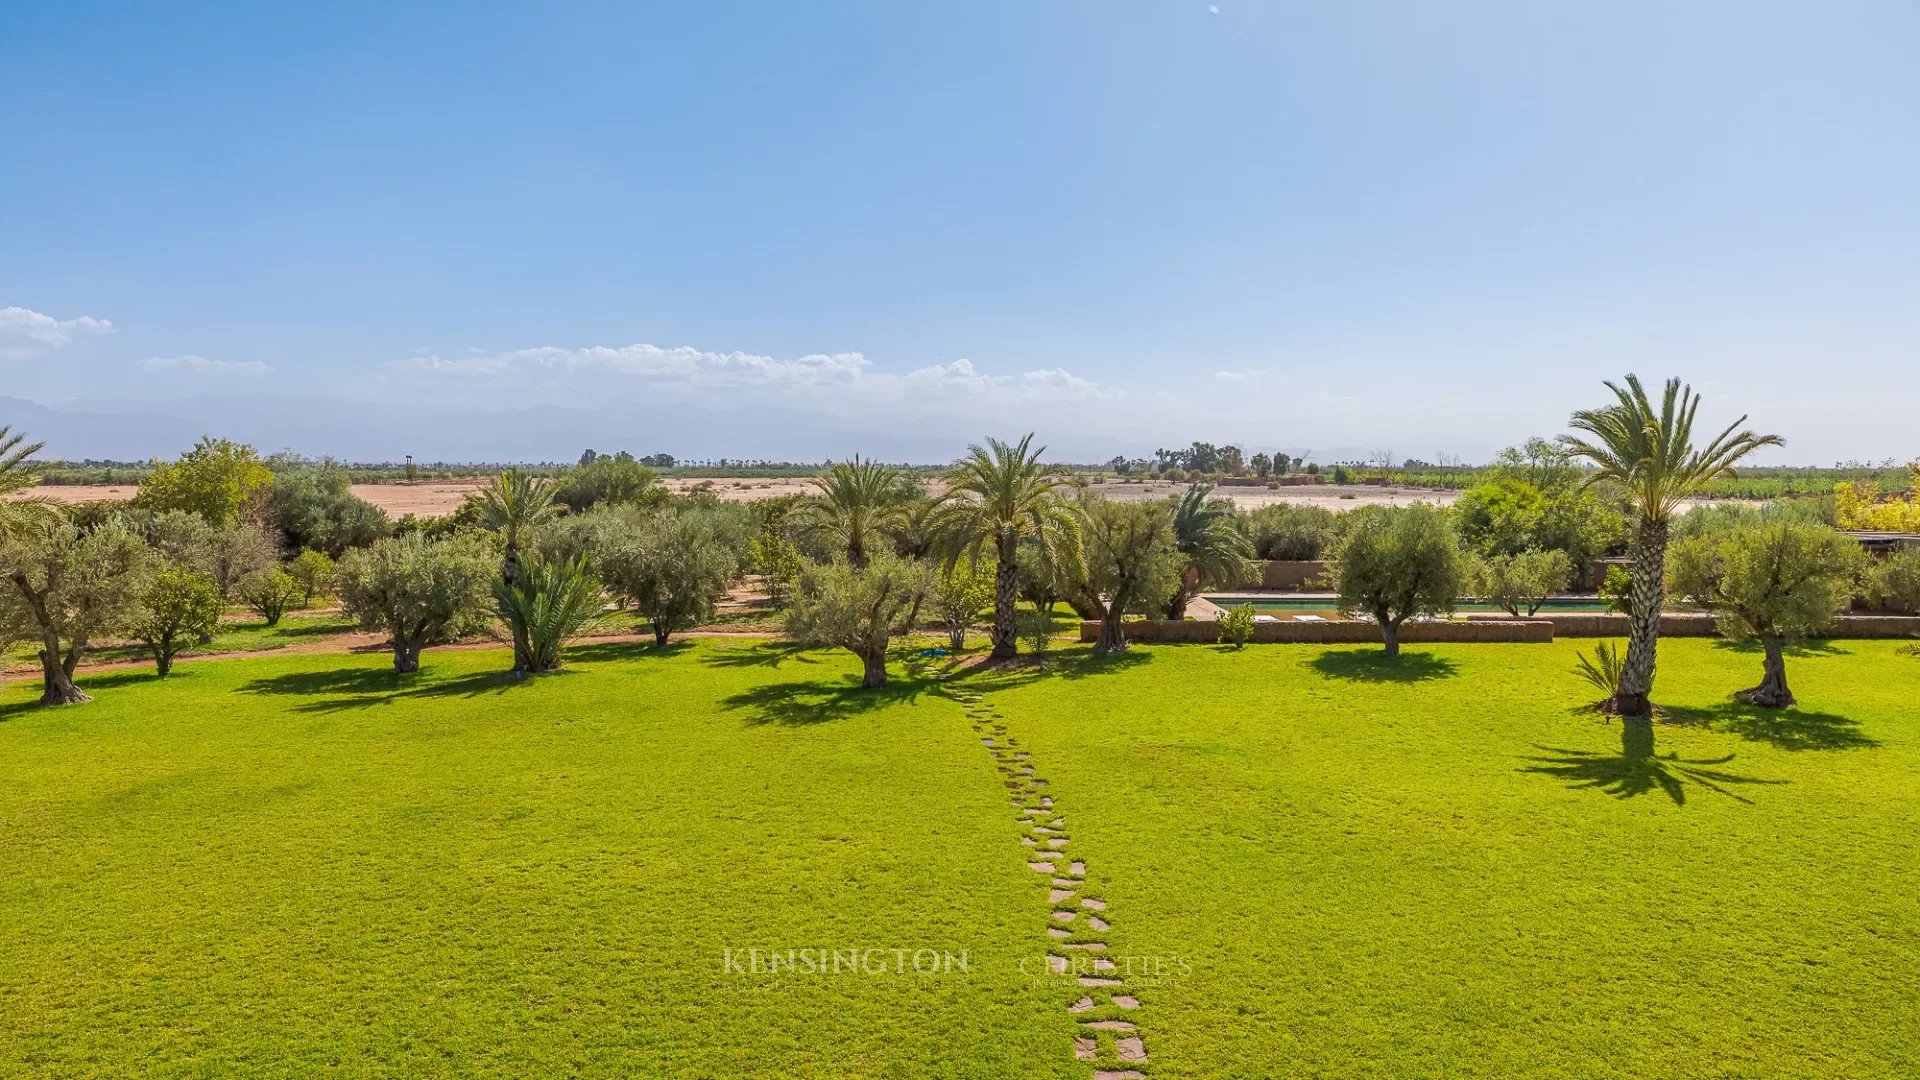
1339, 867
297, 865
1435, 868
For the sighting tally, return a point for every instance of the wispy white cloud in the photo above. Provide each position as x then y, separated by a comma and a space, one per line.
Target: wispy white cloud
1238, 376
27, 333
200, 365
828, 382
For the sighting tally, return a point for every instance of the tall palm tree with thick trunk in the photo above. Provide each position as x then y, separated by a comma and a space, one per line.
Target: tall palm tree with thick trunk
1649, 454
859, 502
513, 505
1216, 552
998, 494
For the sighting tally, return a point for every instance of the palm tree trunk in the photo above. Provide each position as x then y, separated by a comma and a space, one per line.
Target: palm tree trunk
1643, 621
1772, 693
1006, 637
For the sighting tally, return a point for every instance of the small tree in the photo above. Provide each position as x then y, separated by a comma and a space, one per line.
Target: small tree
1523, 581
178, 606
236, 553
314, 572
673, 566
270, 594
958, 595
1215, 552
1130, 560
65, 587
215, 480
1772, 582
1236, 626
550, 603
859, 610
774, 557
1395, 563
1896, 579
421, 592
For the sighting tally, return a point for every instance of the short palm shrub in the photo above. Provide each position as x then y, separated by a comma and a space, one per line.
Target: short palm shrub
550, 602
1603, 670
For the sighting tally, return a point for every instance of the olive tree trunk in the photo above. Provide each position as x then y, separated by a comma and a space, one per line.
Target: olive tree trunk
1772, 693
875, 664
1643, 621
1113, 632
662, 629
406, 656
56, 676
1389, 633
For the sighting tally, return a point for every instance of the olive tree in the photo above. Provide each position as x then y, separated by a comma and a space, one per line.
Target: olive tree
1396, 563
1773, 582
1130, 559
270, 594
178, 606
1896, 579
314, 571
859, 610
959, 592
420, 591
65, 587
1523, 581
674, 566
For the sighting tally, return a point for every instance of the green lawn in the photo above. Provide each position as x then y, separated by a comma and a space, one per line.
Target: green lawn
285, 865
298, 865
1436, 869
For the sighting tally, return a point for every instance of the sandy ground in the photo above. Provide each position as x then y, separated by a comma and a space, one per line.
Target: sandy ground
437, 498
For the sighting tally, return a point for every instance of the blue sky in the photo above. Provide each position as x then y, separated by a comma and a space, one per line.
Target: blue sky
1406, 226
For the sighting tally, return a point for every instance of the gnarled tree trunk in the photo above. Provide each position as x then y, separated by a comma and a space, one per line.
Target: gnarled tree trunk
56, 677
406, 656
875, 668
661, 630
1772, 693
1113, 633
1643, 622
1389, 632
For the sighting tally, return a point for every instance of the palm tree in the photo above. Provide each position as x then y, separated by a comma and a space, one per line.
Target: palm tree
1650, 454
1000, 493
1217, 552
859, 501
513, 504
17, 474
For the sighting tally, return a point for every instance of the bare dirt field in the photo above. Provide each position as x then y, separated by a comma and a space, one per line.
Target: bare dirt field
437, 498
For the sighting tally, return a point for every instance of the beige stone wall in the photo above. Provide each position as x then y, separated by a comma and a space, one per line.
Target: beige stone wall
1332, 633
1292, 574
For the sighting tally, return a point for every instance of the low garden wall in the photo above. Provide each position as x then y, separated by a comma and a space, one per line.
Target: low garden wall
1332, 633
1694, 624
1291, 574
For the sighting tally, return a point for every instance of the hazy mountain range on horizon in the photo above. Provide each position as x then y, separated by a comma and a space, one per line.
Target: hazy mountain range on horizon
122, 430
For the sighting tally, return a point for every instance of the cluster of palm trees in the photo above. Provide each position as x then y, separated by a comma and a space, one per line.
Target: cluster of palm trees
1001, 502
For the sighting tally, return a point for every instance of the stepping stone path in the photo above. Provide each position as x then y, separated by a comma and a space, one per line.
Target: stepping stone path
1100, 1036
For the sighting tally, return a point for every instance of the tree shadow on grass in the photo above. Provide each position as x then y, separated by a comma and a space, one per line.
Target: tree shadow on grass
979, 674
768, 654
1810, 647
1638, 770
1788, 729
1374, 665
820, 701
596, 651
363, 687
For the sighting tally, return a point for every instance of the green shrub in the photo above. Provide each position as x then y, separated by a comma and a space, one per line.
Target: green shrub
1237, 625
